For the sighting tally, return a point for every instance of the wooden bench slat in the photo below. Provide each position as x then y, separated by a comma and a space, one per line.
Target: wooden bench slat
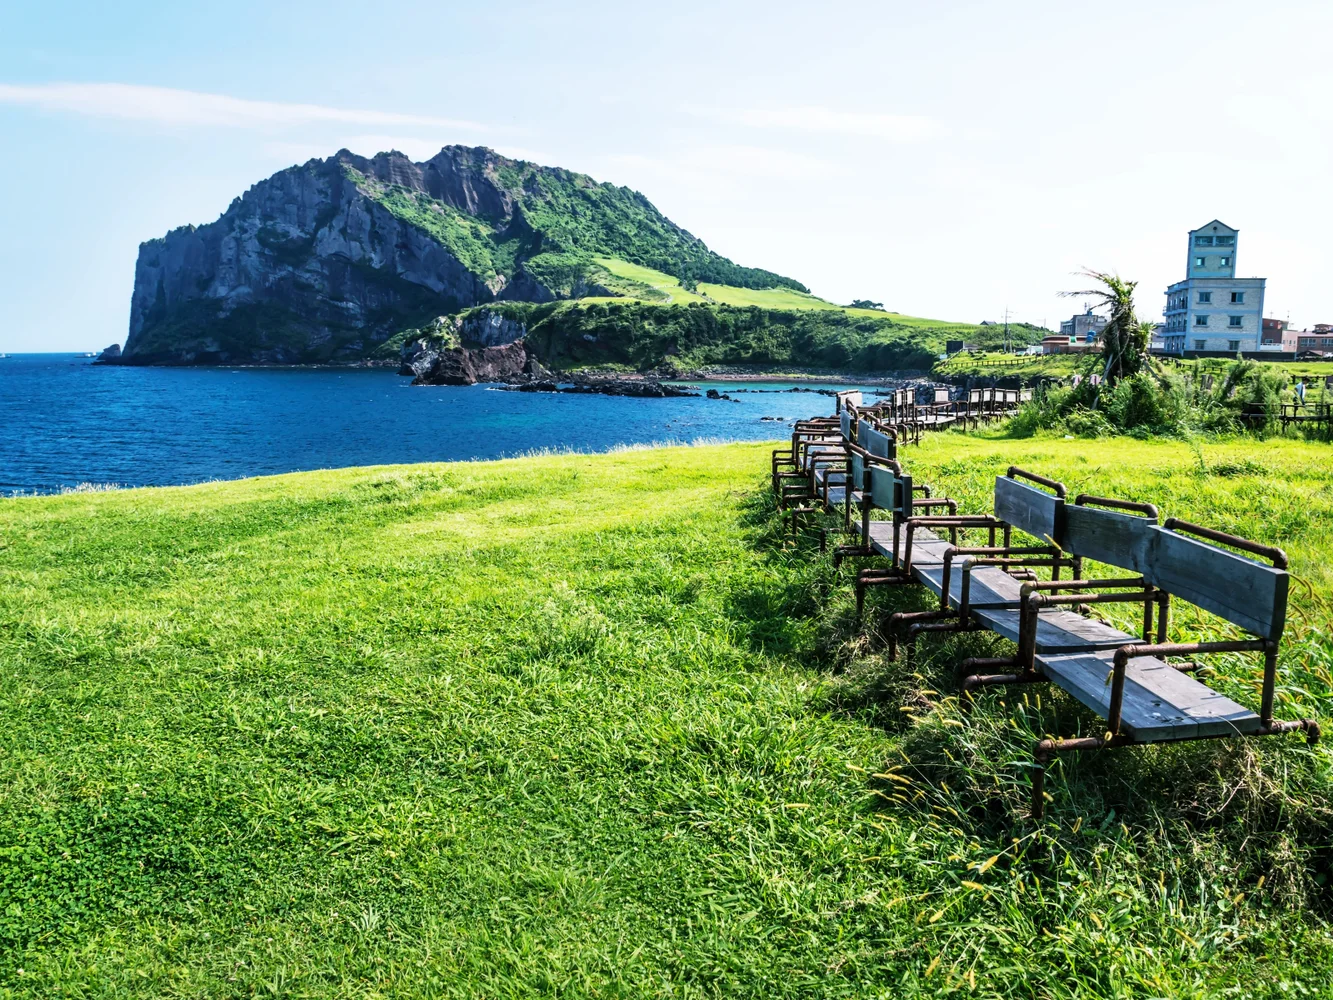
1160, 702
1244, 592
1106, 536
1028, 509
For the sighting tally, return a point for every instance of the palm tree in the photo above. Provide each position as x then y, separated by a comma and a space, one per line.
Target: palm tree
1125, 339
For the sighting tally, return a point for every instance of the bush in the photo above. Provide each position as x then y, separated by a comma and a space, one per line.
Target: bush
1159, 402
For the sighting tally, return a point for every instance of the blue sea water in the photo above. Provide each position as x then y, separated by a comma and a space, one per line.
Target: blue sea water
65, 422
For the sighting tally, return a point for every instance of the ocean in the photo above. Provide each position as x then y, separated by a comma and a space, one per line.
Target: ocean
66, 423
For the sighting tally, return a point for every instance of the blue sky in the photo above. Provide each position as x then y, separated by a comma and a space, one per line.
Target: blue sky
949, 159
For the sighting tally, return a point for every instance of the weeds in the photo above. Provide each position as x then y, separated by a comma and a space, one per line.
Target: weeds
1163, 401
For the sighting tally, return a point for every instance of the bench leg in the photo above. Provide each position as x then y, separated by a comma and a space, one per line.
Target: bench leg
1046, 749
849, 552
895, 623
976, 664
876, 578
946, 626
972, 682
795, 514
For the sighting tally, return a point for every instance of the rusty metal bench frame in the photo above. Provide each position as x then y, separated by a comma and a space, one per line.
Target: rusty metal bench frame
1175, 559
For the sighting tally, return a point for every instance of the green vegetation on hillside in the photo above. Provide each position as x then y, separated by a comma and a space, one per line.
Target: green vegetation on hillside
995, 364
563, 221
638, 282
473, 241
643, 336
646, 335
577, 726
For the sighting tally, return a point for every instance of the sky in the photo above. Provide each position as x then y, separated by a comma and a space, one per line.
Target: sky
951, 160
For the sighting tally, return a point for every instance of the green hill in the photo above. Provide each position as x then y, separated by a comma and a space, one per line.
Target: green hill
325, 261
341, 259
684, 331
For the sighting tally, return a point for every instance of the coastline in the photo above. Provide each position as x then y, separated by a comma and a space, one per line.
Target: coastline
730, 373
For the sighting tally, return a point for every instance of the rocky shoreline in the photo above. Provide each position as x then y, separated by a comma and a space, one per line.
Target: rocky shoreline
487, 347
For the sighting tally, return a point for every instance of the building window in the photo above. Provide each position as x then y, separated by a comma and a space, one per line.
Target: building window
1233, 345
1198, 345
1203, 241
1205, 297
1200, 320
1238, 297
1234, 320
1200, 261
1226, 241
1226, 261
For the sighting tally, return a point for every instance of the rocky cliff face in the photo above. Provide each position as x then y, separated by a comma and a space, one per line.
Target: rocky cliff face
307, 267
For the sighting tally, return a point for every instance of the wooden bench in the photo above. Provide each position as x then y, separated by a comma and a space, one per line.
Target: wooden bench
809, 440
832, 464
1126, 680
985, 578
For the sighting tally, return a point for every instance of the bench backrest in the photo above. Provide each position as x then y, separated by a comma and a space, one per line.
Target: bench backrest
876, 442
846, 419
1244, 592
974, 395
890, 491
852, 397
1107, 536
1027, 508
873, 441
941, 395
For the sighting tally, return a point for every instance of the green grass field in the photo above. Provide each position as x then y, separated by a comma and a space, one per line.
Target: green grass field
584, 726
995, 364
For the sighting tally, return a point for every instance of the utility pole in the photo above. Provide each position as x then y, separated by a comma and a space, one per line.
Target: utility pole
1006, 329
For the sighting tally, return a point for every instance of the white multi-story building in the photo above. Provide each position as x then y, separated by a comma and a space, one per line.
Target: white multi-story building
1212, 309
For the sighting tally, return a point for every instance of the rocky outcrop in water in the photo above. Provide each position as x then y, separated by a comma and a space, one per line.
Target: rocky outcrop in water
468, 366
481, 347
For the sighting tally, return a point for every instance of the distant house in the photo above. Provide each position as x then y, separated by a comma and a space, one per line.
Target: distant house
1078, 335
1157, 344
954, 346
1320, 338
1212, 309
1274, 336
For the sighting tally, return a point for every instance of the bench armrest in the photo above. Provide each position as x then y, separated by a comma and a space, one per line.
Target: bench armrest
1033, 601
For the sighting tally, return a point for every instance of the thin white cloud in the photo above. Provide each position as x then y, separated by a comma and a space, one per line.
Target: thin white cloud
706, 163
168, 106
895, 128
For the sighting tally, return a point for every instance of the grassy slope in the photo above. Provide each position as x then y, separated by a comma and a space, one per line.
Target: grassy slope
564, 726
764, 298
665, 283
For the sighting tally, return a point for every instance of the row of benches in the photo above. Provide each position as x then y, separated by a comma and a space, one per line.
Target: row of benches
904, 408
1026, 582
